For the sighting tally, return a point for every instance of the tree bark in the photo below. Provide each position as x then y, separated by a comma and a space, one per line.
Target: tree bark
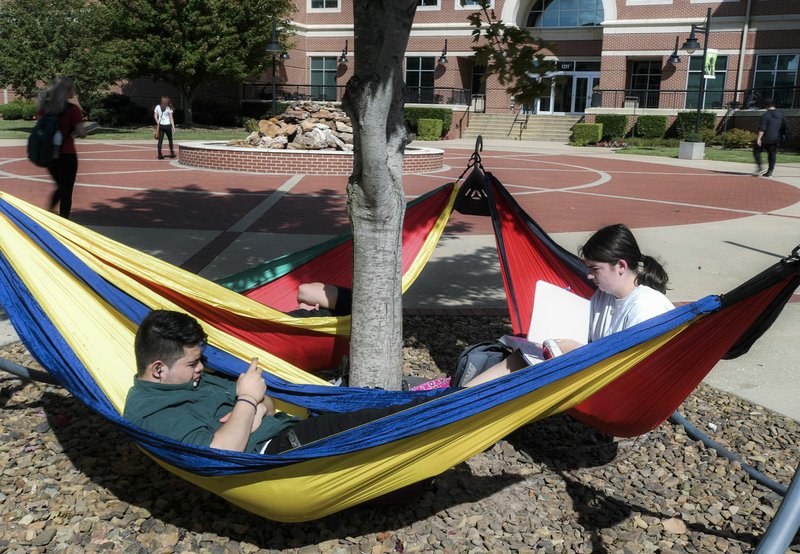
374, 100
187, 98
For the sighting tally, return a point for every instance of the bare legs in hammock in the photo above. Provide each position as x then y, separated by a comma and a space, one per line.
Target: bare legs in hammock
321, 300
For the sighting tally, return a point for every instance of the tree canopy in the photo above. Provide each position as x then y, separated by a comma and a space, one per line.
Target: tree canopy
191, 42
512, 54
42, 40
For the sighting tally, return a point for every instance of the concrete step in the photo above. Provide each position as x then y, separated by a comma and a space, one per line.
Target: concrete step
562, 138
540, 127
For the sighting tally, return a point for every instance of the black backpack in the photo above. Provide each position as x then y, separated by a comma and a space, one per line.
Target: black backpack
40, 141
477, 358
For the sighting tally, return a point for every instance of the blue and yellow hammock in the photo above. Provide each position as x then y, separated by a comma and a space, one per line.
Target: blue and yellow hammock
76, 306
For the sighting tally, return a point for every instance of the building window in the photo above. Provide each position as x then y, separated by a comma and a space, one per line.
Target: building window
429, 4
471, 4
714, 87
323, 78
419, 79
645, 82
775, 77
324, 4
566, 13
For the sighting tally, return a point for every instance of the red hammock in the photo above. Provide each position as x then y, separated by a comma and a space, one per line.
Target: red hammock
305, 348
647, 395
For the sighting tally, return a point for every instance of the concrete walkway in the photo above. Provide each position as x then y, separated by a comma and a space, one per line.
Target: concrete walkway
712, 224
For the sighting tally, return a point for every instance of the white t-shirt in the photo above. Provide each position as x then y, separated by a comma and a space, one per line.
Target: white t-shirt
163, 116
609, 315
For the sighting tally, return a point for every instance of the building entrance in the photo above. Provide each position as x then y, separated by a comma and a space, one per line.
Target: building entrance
571, 90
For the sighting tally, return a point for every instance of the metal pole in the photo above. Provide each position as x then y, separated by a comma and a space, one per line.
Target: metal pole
25, 373
274, 91
754, 474
785, 524
701, 100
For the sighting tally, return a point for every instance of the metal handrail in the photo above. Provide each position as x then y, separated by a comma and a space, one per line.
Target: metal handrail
749, 98
460, 124
522, 124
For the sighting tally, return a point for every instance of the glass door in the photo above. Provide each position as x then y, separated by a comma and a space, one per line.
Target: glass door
545, 102
563, 91
582, 97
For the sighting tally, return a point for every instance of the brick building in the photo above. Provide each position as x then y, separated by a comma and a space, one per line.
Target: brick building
614, 55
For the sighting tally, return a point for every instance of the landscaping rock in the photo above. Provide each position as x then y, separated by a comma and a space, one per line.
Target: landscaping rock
79, 485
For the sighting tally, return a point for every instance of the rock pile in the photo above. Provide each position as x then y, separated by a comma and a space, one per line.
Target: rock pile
303, 126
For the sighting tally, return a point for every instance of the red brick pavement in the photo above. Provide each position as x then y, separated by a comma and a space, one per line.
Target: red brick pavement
124, 185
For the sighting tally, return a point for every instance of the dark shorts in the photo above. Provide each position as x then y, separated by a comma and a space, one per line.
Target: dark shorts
321, 426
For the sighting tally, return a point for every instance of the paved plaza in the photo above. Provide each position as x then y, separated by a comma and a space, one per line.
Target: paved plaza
711, 223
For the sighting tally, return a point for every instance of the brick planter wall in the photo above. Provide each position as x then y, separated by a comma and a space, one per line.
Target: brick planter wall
211, 155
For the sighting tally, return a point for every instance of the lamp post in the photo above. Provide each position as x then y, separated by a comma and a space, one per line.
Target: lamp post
675, 58
274, 47
443, 57
691, 45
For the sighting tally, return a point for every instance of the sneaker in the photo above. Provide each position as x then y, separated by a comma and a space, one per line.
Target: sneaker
768, 174
160, 157
172, 154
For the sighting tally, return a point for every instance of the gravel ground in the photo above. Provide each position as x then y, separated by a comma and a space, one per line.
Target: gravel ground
72, 483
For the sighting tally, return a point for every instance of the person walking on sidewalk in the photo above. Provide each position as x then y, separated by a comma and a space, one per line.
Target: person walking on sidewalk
163, 114
60, 98
772, 129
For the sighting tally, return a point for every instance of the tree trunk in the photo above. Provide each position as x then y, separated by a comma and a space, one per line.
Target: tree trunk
376, 203
187, 97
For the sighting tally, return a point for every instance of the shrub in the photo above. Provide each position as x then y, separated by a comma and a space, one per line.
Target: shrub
738, 138
202, 118
615, 126
709, 136
250, 125
414, 114
429, 129
215, 112
18, 109
684, 123
280, 107
10, 111
651, 126
793, 143
587, 133
693, 137
116, 109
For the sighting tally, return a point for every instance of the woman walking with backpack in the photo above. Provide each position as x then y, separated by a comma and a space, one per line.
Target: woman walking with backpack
165, 121
60, 99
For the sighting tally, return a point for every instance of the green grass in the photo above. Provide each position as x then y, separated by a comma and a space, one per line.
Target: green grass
741, 156
19, 129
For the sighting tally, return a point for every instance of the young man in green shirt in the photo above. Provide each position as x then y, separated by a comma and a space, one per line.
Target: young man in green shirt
174, 397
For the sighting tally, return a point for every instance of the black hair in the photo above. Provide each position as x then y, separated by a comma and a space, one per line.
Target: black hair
769, 103
616, 242
163, 335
